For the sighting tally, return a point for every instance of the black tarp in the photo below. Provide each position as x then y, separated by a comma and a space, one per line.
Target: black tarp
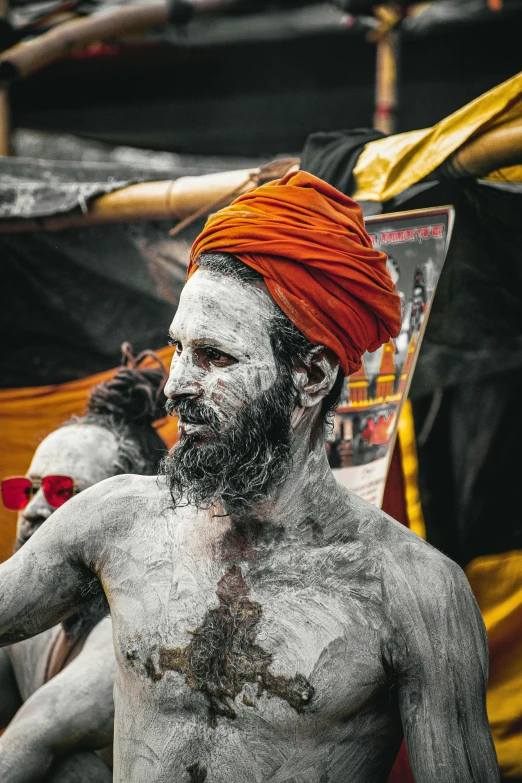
33, 188
38, 188
475, 325
467, 381
332, 156
70, 298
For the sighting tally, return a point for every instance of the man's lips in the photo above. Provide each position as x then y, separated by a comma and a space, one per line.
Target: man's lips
184, 419
188, 426
194, 419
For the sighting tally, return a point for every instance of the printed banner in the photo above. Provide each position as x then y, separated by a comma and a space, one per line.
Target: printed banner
365, 423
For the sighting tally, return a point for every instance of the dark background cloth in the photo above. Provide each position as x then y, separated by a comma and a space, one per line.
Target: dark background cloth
468, 379
332, 155
475, 325
469, 467
70, 298
235, 91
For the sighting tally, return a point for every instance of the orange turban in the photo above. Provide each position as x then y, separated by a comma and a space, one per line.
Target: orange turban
309, 242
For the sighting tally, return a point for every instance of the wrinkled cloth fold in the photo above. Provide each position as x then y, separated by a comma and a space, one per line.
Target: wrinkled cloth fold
309, 242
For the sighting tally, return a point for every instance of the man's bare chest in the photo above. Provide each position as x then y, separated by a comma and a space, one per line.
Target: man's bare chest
219, 637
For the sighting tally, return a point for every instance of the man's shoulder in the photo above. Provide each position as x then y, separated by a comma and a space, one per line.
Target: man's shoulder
409, 567
116, 502
425, 597
111, 510
125, 489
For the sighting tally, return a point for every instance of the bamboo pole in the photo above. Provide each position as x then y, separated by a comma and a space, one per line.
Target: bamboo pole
182, 200
385, 115
5, 123
386, 37
5, 118
24, 59
177, 199
495, 149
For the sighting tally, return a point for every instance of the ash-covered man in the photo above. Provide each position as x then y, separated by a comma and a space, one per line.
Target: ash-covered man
268, 624
56, 688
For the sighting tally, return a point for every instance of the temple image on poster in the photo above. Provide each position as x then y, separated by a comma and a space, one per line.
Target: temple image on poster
366, 416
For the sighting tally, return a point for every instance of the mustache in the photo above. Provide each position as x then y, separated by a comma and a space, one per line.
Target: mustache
242, 461
193, 412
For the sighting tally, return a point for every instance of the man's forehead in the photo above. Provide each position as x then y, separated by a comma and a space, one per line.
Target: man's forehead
74, 449
214, 303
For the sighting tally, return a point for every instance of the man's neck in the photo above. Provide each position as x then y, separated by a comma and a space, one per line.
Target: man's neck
308, 494
310, 486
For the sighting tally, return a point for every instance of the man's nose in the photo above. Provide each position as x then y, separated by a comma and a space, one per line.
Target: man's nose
185, 378
26, 529
31, 518
38, 509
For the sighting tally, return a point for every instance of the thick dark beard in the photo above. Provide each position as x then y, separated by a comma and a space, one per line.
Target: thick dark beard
237, 466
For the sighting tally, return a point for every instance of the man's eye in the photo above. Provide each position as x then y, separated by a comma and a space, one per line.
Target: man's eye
215, 355
176, 344
218, 357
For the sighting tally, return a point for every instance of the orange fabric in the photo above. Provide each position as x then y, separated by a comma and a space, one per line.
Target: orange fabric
309, 242
27, 416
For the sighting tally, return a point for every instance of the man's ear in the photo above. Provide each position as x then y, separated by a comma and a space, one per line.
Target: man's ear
315, 376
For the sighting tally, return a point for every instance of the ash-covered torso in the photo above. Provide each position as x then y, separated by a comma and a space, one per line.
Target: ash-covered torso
248, 654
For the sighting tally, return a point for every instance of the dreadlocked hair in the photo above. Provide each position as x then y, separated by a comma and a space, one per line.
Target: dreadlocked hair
288, 343
128, 405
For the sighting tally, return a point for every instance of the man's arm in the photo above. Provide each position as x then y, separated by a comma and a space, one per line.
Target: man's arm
438, 653
72, 712
50, 576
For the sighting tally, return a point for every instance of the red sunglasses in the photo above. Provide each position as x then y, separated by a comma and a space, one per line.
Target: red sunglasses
17, 491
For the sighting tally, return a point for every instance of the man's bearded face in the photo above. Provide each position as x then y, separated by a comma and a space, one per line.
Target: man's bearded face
85, 452
233, 401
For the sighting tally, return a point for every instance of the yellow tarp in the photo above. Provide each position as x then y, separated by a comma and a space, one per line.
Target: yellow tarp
28, 415
388, 166
410, 468
497, 584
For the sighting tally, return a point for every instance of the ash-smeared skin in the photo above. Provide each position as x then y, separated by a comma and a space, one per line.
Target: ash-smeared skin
380, 625
223, 655
75, 709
